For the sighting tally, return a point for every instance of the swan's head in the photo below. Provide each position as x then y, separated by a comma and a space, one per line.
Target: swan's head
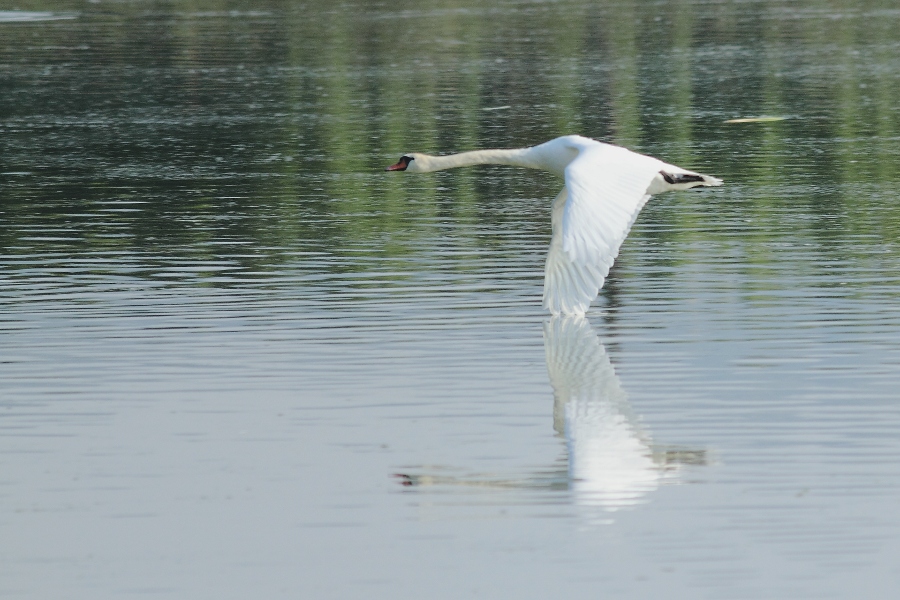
414, 163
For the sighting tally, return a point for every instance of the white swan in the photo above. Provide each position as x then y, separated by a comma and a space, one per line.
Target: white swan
606, 186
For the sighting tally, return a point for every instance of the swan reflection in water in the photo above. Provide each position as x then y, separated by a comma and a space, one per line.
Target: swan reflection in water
612, 460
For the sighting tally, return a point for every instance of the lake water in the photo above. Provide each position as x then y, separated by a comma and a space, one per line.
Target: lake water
239, 360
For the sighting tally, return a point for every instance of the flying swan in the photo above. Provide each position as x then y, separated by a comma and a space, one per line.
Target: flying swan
606, 186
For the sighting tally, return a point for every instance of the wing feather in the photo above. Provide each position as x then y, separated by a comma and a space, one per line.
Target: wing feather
606, 188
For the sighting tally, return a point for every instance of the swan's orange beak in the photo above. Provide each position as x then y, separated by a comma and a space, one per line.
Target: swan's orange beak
402, 165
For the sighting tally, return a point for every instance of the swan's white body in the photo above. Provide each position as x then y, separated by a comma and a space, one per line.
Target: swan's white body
606, 186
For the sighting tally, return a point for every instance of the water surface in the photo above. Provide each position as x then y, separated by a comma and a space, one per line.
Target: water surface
237, 359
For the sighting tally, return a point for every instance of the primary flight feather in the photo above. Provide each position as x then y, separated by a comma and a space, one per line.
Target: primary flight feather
606, 186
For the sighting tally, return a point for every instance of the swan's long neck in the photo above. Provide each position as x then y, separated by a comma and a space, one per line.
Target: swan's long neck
521, 157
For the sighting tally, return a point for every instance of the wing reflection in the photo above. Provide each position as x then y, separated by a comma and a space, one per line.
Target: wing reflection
612, 460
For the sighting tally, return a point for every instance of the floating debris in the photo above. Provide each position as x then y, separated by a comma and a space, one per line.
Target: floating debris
25, 16
497, 108
755, 120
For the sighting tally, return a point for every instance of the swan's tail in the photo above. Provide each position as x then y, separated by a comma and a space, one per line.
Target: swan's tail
710, 181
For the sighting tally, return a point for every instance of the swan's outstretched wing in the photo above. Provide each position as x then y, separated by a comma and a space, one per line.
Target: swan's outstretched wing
569, 285
606, 188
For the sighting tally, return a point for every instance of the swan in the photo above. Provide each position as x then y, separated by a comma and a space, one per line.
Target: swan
606, 186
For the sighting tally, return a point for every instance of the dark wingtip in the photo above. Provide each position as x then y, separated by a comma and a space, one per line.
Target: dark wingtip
674, 178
